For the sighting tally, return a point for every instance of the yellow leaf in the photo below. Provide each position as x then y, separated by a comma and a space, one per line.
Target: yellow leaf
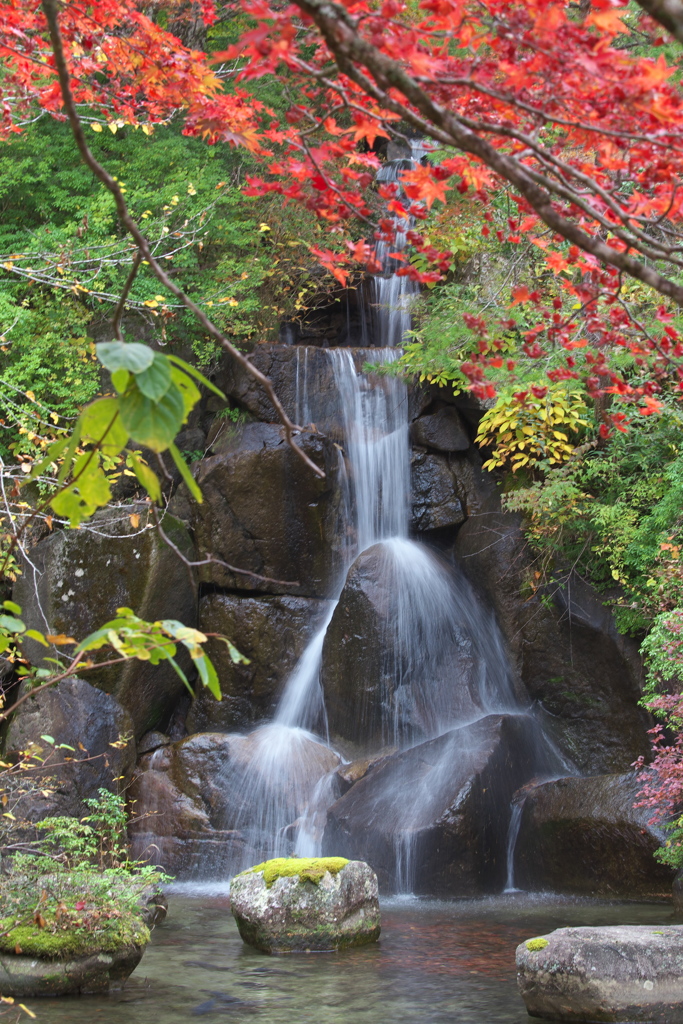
8, 814
152, 303
113, 127
135, 520
264, 227
96, 127
148, 129
191, 190
26, 1010
8, 266
59, 639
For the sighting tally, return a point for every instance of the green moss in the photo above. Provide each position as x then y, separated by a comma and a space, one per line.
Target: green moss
309, 869
56, 942
533, 945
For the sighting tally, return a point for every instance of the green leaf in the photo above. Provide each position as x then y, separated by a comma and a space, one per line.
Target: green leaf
94, 641
11, 624
188, 390
236, 656
207, 674
101, 422
119, 355
69, 452
12, 606
146, 476
35, 635
180, 672
48, 739
197, 375
185, 473
119, 379
153, 424
155, 381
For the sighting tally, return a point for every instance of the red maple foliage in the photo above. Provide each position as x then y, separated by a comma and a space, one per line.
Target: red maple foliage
530, 94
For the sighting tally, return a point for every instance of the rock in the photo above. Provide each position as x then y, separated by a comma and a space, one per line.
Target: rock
678, 895
198, 802
381, 685
82, 576
433, 819
266, 512
434, 501
353, 771
26, 977
442, 430
328, 904
583, 835
88, 721
618, 973
272, 632
584, 676
152, 741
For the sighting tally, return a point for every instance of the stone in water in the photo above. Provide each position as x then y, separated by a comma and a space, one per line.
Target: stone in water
317, 904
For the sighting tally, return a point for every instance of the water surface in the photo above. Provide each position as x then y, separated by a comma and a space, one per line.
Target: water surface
436, 962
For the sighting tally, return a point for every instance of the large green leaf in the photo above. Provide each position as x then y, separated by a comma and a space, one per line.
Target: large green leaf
197, 375
121, 355
153, 424
155, 381
185, 473
146, 476
188, 389
101, 422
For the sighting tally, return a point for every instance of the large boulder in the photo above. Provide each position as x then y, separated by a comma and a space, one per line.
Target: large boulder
618, 973
272, 632
583, 835
434, 819
207, 804
319, 904
584, 676
98, 747
266, 512
30, 977
76, 579
443, 430
401, 660
435, 502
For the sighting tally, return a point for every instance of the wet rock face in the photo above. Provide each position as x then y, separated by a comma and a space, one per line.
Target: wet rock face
265, 511
272, 632
583, 835
583, 675
397, 665
196, 801
25, 977
622, 973
82, 577
442, 430
433, 819
87, 720
297, 915
434, 499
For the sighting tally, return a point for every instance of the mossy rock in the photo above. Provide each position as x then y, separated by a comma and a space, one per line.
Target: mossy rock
308, 869
302, 904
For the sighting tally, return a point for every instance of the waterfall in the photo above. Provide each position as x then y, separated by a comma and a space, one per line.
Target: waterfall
513, 832
282, 777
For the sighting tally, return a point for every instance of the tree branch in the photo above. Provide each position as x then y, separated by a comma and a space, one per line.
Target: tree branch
50, 11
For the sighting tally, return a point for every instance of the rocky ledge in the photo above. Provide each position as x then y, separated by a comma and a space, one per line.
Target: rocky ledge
624, 973
306, 904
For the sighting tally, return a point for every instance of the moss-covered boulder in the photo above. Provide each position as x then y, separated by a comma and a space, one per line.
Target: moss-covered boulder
78, 578
306, 904
87, 933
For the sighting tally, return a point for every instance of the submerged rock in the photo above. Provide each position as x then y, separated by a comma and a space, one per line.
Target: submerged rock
433, 819
297, 905
265, 511
619, 973
272, 632
583, 835
82, 576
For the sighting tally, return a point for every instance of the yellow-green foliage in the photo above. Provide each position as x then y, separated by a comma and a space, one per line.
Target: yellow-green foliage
524, 429
56, 941
309, 869
534, 945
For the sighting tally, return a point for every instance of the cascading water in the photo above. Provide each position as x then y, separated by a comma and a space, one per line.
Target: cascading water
443, 659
